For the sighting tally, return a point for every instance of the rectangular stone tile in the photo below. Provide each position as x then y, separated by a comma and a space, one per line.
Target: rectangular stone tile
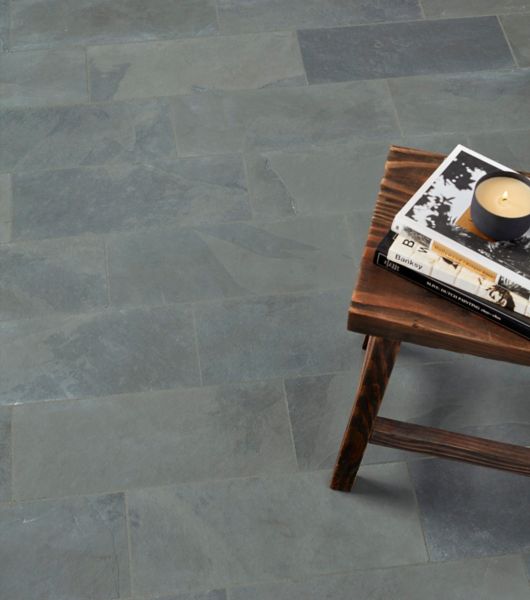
337, 178
229, 260
274, 336
43, 78
470, 102
517, 28
51, 138
399, 49
5, 454
68, 548
6, 198
457, 8
97, 354
459, 396
128, 197
483, 579
471, 511
241, 531
236, 16
66, 276
157, 438
185, 66
52, 23
287, 117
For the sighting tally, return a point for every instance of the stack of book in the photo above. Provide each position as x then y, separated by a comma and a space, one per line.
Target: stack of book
434, 243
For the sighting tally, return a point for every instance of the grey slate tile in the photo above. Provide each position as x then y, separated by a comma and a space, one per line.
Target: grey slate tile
527, 561
336, 178
128, 197
465, 102
5, 454
66, 276
400, 49
157, 438
517, 28
43, 77
240, 531
274, 336
6, 198
287, 117
50, 138
67, 548
236, 16
457, 8
229, 260
4, 24
53, 23
212, 595
97, 354
185, 66
483, 579
471, 511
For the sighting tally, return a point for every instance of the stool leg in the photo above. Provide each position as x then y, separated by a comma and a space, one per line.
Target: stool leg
375, 373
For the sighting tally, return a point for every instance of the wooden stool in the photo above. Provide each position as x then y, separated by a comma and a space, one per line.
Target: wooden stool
389, 309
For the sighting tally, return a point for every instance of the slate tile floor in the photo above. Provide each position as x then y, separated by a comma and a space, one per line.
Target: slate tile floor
185, 189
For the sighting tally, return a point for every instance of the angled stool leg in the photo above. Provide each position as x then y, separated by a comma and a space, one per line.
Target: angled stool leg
375, 373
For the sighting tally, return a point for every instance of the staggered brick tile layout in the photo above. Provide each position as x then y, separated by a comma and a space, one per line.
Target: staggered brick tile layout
185, 191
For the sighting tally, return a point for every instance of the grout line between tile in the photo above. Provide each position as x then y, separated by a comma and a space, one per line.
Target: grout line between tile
396, 115
129, 545
196, 337
107, 270
87, 75
290, 424
422, 9
418, 512
516, 62
12, 448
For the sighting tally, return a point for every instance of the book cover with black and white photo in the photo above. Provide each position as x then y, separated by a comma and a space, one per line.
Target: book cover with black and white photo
438, 213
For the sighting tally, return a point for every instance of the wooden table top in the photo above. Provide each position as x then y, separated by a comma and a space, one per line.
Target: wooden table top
386, 305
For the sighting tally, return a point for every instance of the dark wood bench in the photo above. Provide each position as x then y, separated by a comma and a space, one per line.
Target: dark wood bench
389, 310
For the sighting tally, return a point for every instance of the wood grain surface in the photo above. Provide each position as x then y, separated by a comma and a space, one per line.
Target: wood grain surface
385, 305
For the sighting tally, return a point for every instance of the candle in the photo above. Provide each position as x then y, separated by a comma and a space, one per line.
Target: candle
501, 205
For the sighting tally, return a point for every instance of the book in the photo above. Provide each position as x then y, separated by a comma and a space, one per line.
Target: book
438, 217
411, 254
514, 322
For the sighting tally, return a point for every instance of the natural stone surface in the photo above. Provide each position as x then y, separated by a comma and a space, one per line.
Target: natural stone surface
242, 530
236, 16
52, 277
273, 336
97, 354
186, 66
485, 579
235, 259
5, 454
457, 8
5, 208
517, 28
51, 138
280, 118
41, 78
52, 23
67, 548
398, 49
157, 438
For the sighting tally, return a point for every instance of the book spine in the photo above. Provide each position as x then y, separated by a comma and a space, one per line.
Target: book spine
484, 272
462, 299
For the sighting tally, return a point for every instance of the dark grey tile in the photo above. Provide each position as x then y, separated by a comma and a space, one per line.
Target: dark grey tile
466, 102
50, 138
482, 579
236, 16
229, 260
399, 49
4, 24
284, 117
511, 148
52, 23
457, 8
185, 66
517, 28
43, 77
212, 595
128, 197
158, 438
66, 276
436, 142
245, 530
471, 511
68, 548
274, 336
97, 354
5, 454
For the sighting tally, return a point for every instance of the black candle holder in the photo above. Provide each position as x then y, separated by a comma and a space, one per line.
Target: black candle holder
495, 226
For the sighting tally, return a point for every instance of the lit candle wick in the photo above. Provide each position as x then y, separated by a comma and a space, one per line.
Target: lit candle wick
504, 197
